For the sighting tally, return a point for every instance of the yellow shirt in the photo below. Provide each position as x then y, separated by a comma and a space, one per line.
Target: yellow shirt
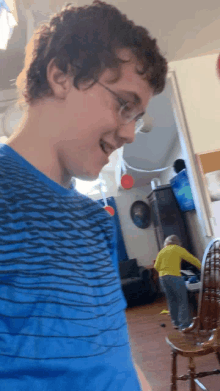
169, 259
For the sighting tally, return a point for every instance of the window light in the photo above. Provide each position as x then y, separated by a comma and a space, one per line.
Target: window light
7, 24
90, 187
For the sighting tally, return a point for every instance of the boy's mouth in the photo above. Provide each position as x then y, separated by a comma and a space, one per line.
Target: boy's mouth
106, 147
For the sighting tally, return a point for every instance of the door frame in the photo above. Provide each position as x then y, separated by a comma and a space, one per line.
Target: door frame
196, 182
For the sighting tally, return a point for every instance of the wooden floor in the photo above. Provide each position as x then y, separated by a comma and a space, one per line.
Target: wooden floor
152, 354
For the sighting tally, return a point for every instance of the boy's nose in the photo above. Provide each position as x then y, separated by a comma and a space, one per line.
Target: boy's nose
127, 132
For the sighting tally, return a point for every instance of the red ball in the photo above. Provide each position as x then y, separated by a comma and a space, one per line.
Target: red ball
127, 181
110, 210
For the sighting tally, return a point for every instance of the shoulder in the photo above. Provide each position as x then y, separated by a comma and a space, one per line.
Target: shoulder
172, 249
95, 216
6, 153
179, 249
92, 208
8, 172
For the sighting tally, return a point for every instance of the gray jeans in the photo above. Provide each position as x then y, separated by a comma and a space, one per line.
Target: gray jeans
176, 294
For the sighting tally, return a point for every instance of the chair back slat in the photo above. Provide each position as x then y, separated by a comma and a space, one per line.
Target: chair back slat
209, 300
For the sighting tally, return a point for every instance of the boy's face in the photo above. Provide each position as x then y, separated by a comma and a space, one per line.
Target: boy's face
91, 123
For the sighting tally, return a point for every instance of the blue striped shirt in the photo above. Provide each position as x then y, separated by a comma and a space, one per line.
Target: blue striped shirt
62, 318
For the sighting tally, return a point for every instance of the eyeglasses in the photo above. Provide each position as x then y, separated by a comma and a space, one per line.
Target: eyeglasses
128, 111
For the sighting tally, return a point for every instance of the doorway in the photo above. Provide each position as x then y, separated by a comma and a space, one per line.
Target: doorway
199, 221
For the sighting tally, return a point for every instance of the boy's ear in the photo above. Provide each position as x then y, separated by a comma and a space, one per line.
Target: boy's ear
59, 82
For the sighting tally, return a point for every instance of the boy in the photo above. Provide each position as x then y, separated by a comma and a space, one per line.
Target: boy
88, 77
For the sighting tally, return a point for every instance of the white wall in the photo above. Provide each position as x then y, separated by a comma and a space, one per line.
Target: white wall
139, 243
200, 92
176, 153
112, 189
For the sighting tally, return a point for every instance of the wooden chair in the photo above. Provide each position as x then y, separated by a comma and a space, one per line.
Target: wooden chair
203, 335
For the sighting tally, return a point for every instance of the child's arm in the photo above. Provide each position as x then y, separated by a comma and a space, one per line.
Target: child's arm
190, 258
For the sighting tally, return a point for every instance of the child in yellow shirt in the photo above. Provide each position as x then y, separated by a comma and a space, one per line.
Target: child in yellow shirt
168, 264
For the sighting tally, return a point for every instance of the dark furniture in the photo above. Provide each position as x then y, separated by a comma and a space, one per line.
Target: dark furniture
203, 336
137, 285
167, 216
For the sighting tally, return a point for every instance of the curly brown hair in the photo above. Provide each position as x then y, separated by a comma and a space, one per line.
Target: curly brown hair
83, 41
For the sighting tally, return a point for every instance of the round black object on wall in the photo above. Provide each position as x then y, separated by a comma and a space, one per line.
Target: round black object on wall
140, 214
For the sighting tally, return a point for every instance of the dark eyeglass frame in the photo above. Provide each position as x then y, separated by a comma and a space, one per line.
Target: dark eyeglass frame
123, 103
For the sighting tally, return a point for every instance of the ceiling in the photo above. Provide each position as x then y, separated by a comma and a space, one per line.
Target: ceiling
150, 151
183, 30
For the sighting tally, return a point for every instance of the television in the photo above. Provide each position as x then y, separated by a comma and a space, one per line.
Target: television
182, 191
